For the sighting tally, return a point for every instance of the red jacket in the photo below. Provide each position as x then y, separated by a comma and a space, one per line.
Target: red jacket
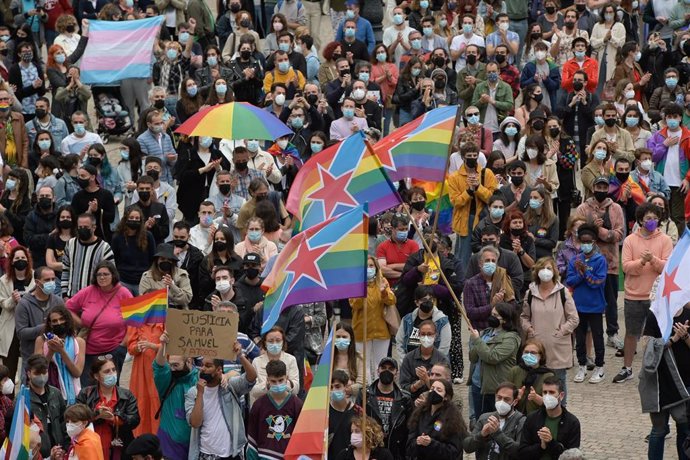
591, 68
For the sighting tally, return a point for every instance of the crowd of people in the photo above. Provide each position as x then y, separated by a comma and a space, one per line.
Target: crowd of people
568, 169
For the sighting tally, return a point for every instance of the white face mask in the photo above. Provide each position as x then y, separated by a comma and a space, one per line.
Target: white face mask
646, 165
546, 274
358, 94
426, 341
630, 94
74, 429
503, 408
8, 387
532, 153
282, 143
550, 401
280, 99
223, 286
540, 55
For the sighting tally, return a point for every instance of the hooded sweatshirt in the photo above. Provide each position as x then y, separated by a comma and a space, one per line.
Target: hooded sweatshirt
640, 278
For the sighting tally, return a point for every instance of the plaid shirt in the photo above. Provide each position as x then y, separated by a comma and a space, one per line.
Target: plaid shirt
477, 302
243, 181
511, 75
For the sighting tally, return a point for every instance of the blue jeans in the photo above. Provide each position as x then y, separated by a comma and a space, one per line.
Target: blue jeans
520, 28
475, 400
404, 117
387, 118
171, 107
563, 375
463, 244
655, 449
133, 288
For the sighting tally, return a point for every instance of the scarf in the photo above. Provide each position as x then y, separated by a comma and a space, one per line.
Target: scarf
165, 72
66, 381
617, 190
290, 150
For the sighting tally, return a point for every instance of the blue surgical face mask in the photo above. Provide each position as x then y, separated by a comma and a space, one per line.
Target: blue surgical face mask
381, 57
79, 129
221, 88
511, 131
424, 4
124, 154
205, 141
529, 359
579, 54
184, 36
671, 82
631, 121
337, 395
492, 77
253, 146
599, 120
350, 14
316, 148
401, 235
415, 72
48, 287
254, 235
60, 58
110, 380
284, 66
535, 203
192, 90
342, 344
497, 213
467, 28
44, 144
274, 348
587, 247
371, 273
10, 184
349, 113
280, 388
428, 31
364, 76
416, 44
284, 47
349, 32
171, 54
212, 60
600, 155
473, 120
297, 123
673, 123
489, 268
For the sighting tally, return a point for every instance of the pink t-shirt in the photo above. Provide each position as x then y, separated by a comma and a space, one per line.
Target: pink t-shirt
109, 329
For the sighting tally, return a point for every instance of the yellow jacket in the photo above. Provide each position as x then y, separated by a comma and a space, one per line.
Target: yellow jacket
377, 301
286, 78
462, 200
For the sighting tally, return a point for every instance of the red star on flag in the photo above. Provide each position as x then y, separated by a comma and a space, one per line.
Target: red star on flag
305, 264
333, 191
670, 285
386, 157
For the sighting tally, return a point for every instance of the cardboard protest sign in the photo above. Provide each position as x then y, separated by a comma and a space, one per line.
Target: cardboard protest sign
211, 334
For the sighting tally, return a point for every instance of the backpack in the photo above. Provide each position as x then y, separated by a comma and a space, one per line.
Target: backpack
561, 291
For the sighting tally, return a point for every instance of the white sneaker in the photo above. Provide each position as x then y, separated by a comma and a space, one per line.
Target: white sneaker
581, 373
458, 381
614, 341
598, 375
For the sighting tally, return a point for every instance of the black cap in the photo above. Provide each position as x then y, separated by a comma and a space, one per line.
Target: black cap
601, 180
91, 169
252, 258
388, 360
538, 113
146, 444
166, 251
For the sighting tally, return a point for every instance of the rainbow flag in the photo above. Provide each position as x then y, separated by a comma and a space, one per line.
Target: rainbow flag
325, 262
338, 179
118, 50
16, 445
145, 309
445, 216
310, 437
419, 149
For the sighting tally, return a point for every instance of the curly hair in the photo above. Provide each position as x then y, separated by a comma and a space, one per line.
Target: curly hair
373, 434
330, 49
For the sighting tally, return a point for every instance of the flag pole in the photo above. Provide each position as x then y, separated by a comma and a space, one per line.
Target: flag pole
459, 305
445, 170
328, 401
364, 380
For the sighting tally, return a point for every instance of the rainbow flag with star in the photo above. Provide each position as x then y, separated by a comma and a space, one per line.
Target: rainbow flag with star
338, 179
325, 262
445, 215
16, 445
309, 438
145, 309
419, 149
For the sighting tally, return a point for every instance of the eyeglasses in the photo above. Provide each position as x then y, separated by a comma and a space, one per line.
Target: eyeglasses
106, 357
472, 114
103, 275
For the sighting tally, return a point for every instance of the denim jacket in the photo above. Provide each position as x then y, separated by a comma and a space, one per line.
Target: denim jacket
657, 183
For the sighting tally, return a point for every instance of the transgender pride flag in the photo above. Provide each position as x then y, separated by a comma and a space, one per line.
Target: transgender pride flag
119, 50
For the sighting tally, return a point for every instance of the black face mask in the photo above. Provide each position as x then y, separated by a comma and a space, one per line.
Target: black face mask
418, 205
40, 113
224, 188
622, 177
471, 59
386, 377
84, 233
440, 61
538, 125
500, 58
83, 183
59, 329
550, 9
95, 161
435, 398
569, 25
64, 224
153, 174
251, 273
133, 224
610, 122
245, 55
471, 163
235, 7
499, 171
45, 203
179, 243
517, 180
439, 84
70, 29
536, 36
176, 375
578, 85
516, 231
165, 266
555, 132
336, 56
426, 306
219, 246
580, 8
20, 264
145, 196
344, 72
537, 97
600, 196
241, 166
493, 321
159, 104
312, 99
245, 23
207, 377
5, 52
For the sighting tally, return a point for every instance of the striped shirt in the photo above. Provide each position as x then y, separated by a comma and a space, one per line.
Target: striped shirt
79, 261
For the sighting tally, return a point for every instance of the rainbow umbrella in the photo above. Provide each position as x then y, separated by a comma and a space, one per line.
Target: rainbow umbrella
234, 120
